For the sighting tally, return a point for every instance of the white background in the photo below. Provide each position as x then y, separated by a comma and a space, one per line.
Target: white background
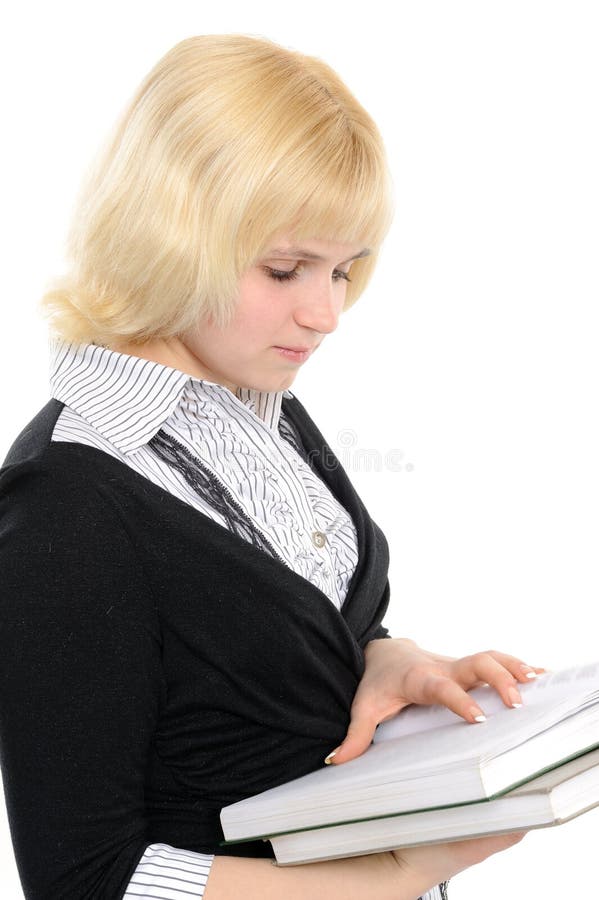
472, 357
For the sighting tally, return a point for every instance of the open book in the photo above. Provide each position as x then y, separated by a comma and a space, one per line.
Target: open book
430, 776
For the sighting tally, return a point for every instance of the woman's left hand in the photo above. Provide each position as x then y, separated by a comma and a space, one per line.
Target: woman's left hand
398, 672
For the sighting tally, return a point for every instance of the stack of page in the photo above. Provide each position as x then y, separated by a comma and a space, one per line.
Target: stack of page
429, 776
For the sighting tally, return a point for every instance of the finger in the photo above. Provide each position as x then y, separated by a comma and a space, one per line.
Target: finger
486, 667
518, 668
358, 738
444, 690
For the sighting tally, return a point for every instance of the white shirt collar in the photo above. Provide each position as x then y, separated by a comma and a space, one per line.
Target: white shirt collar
127, 399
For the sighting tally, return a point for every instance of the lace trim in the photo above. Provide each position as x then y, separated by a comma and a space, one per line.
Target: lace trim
208, 486
289, 432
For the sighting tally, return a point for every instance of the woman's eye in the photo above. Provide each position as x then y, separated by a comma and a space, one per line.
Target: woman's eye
280, 275
341, 275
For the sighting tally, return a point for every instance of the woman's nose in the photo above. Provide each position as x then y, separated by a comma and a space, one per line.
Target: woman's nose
320, 310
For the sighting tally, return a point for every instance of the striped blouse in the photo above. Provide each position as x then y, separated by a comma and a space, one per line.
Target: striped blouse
117, 403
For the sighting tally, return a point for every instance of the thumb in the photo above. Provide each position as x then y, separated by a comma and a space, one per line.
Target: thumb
357, 740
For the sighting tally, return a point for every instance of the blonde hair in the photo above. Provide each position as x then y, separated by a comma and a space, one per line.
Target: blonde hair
228, 141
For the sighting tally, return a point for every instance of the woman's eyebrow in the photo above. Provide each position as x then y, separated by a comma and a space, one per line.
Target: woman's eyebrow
301, 251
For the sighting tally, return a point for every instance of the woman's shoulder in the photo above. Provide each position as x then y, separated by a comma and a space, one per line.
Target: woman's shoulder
35, 436
46, 474
60, 514
63, 542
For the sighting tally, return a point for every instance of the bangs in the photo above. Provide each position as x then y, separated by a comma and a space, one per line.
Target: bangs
344, 198
336, 186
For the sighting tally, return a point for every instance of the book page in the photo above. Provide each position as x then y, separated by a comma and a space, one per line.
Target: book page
550, 686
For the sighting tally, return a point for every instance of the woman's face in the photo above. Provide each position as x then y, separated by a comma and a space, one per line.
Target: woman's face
292, 297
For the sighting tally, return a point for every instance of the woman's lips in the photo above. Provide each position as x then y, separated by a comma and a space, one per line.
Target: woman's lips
294, 355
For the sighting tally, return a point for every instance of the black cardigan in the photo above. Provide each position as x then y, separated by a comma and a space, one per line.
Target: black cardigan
155, 666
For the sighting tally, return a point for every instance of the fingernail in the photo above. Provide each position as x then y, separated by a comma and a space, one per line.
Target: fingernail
327, 759
477, 714
529, 671
514, 697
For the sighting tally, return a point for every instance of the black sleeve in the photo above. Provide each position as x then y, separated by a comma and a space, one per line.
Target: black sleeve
80, 685
381, 632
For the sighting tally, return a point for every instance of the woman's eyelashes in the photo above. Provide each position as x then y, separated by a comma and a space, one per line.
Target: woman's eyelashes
280, 275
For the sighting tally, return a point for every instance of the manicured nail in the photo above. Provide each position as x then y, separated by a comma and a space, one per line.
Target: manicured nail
477, 715
327, 759
515, 697
529, 671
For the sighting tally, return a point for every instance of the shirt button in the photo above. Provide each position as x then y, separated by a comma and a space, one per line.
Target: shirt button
319, 539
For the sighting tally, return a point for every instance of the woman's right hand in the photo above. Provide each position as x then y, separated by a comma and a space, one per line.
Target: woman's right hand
399, 874
440, 862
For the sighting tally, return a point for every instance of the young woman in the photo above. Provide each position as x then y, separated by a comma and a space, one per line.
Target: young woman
192, 591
